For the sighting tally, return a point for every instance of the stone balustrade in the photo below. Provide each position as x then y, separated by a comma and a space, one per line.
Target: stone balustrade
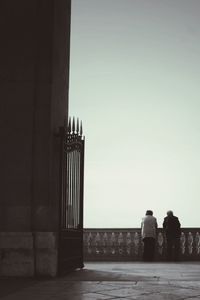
126, 244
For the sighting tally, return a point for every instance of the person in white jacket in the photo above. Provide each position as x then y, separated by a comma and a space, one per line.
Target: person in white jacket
148, 233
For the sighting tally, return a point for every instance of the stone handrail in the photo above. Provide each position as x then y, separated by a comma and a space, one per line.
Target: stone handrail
126, 245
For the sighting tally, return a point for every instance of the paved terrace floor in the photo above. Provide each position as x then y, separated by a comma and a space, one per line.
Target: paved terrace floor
99, 281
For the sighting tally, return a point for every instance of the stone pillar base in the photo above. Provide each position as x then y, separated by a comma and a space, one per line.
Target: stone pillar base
27, 254
46, 253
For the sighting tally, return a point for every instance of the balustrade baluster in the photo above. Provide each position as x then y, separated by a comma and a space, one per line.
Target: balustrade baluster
182, 242
105, 243
97, 243
197, 243
113, 243
160, 240
120, 243
128, 243
89, 243
190, 243
136, 241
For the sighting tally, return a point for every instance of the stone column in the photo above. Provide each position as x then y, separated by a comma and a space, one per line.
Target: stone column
34, 78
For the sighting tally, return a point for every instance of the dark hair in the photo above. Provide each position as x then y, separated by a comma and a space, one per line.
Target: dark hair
170, 213
149, 213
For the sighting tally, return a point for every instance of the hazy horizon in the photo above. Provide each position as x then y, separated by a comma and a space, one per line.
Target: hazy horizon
134, 81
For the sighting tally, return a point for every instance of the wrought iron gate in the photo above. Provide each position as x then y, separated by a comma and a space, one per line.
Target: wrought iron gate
72, 184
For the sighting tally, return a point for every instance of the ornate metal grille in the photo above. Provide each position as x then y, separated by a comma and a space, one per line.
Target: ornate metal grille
72, 176
72, 179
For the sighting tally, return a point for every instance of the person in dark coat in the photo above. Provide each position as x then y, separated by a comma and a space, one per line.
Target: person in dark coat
172, 230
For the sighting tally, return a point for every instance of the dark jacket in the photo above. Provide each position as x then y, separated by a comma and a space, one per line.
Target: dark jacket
172, 227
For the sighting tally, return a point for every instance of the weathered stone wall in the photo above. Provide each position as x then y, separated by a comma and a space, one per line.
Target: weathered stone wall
34, 78
27, 254
16, 254
46, 253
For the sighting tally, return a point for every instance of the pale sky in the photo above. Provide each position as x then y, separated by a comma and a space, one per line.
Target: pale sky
135, 83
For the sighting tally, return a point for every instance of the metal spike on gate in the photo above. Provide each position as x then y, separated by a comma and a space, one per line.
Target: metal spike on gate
73, 125
81, 129
69, 125
77, 126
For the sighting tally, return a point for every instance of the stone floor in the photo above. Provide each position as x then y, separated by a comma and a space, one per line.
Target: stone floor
151, 281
